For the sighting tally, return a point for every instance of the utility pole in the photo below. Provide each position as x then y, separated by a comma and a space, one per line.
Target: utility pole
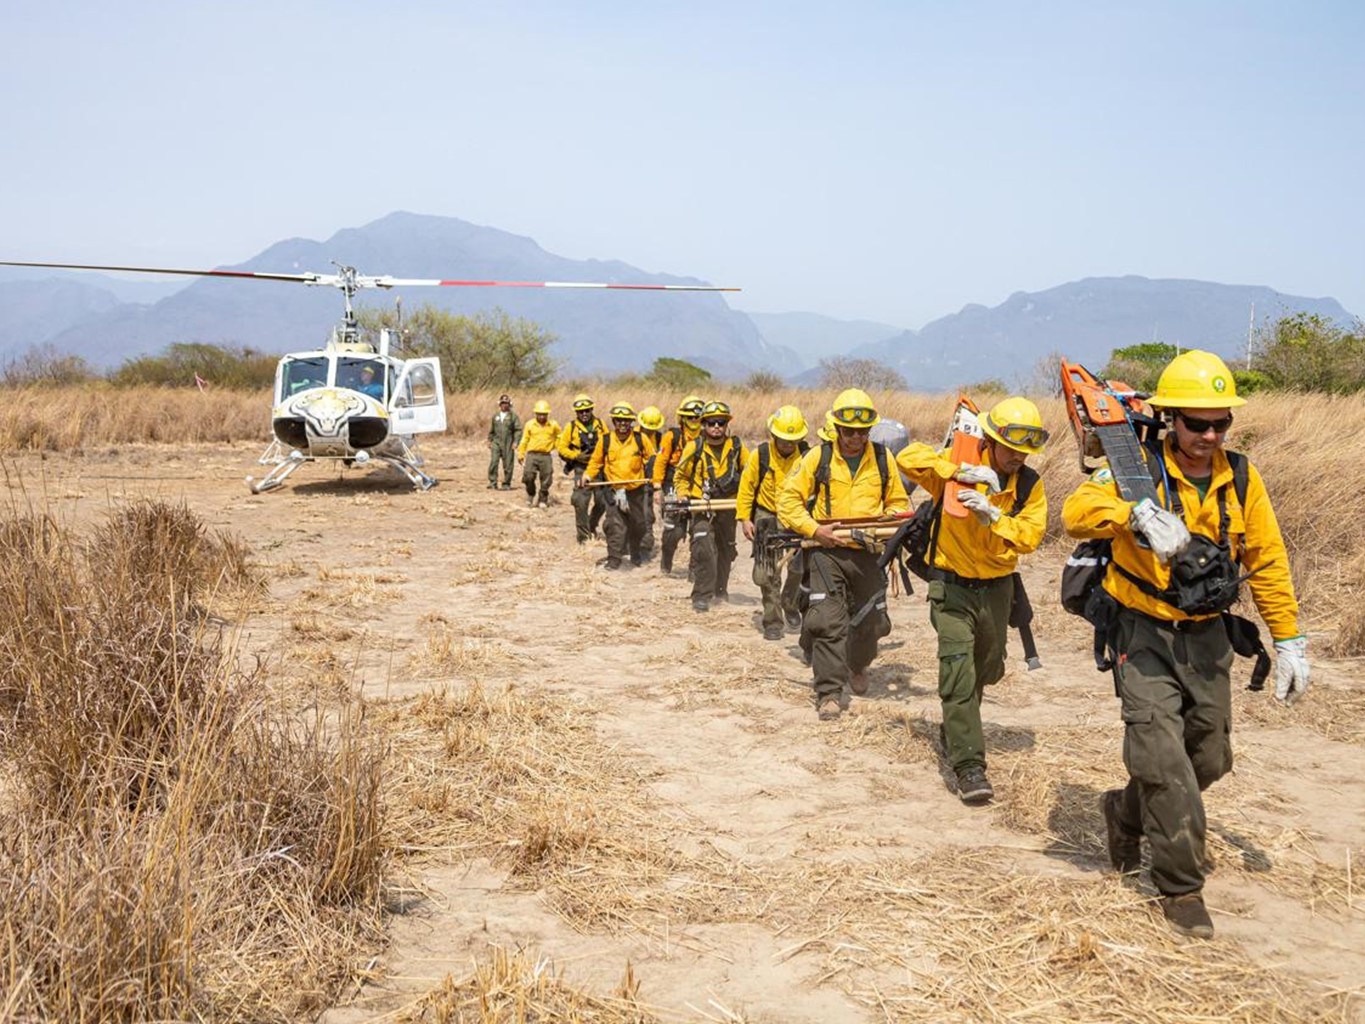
1251, 324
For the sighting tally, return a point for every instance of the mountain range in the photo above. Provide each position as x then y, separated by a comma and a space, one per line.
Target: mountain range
109, 319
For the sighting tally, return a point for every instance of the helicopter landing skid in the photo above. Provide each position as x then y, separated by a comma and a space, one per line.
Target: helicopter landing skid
408, 462
283, 466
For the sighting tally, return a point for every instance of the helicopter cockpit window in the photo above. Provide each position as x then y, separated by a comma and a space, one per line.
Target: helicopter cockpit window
302, 374
363, 375
419, 388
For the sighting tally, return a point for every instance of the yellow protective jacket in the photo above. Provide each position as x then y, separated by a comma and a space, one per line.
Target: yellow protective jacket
850, 497
570, 444
671, 447
965, 546
623, 460
701, 463
537, 438
763, 493
1096, 510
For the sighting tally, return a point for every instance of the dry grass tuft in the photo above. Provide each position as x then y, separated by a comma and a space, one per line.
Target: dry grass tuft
1008, 946
516, 988
172, 849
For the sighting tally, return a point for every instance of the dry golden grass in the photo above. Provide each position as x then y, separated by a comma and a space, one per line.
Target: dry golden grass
517, 988
171, 848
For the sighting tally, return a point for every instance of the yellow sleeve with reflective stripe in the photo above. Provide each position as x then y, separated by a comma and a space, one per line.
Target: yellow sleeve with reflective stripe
748, 488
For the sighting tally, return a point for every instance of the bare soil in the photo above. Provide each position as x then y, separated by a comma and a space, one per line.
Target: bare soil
823, 827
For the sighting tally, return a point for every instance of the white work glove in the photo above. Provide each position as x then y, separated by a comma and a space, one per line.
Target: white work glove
1165, 531
969, 474
981, 505
1291, 668
621, 502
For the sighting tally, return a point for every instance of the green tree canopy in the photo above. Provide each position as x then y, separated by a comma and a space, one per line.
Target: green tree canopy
1139, 366
222, 366
491, 350
1307, 352
677, 374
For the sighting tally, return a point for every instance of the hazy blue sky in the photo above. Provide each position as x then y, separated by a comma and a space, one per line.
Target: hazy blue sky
883, 160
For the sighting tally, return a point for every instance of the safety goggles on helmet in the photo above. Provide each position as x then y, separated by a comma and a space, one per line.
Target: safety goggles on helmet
852, 417
1021, 434
1198, 426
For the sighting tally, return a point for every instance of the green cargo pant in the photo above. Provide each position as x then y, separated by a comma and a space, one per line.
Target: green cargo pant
713, 552
844, 584
537, 474
971, 620
1175, 687
589, 505
624, 530
778, 597
504, 452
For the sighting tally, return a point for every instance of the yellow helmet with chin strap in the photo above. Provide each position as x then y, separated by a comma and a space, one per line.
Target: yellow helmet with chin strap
1017, 424
854, 408
788, 424
623, 411
582, 402
692, 406
1196, 380
541, 407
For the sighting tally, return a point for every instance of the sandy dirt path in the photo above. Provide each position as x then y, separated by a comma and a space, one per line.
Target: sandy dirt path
718, 726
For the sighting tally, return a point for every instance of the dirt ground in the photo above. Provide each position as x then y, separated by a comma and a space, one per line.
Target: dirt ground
868, 866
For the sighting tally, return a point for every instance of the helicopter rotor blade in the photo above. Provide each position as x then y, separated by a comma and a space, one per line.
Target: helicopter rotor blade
350, 280
301, 278
405, 282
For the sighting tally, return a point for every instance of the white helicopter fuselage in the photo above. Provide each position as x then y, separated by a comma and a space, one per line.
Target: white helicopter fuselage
353, 403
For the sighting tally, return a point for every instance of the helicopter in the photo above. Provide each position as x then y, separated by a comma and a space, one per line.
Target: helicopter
350, 401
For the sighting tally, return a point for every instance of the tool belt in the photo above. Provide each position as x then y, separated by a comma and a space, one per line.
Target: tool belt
970, 582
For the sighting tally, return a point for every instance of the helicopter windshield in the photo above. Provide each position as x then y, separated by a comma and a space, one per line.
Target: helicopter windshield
302, 374
363, 375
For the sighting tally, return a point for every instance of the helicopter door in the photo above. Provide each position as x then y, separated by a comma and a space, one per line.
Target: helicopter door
419, 402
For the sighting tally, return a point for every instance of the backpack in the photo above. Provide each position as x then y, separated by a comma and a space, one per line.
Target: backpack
1209, 582
1089, 562
917, 540
822, 473
723, 487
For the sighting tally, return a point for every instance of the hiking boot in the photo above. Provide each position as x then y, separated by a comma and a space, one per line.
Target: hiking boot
1125, 849
1188, 915
793, 620
610, 563
828, 709
492, 487
773, 633
858, 683
973, 787
700, 604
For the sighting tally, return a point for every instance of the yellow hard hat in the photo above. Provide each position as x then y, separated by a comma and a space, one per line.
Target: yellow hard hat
541, 406
582, 402
651, 418
623, 411
826, 433
691, 406
716, 411
788, 424
854, 408
1196, 380
1016, 424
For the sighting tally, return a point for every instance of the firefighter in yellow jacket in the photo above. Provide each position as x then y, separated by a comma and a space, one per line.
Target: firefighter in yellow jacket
710, 468
672, 444
652, 426
756, 510
619, 459
1172, 666
848, 478
971, 578
576, 443
536, 454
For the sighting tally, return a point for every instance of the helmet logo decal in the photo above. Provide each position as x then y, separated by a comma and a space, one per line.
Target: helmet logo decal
1219, 384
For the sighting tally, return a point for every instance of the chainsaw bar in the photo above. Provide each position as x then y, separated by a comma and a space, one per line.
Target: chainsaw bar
1130, 471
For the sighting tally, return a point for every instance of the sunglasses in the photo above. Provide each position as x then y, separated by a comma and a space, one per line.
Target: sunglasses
855, 431
1198, 426
714, 423
847, 416
1020, 434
